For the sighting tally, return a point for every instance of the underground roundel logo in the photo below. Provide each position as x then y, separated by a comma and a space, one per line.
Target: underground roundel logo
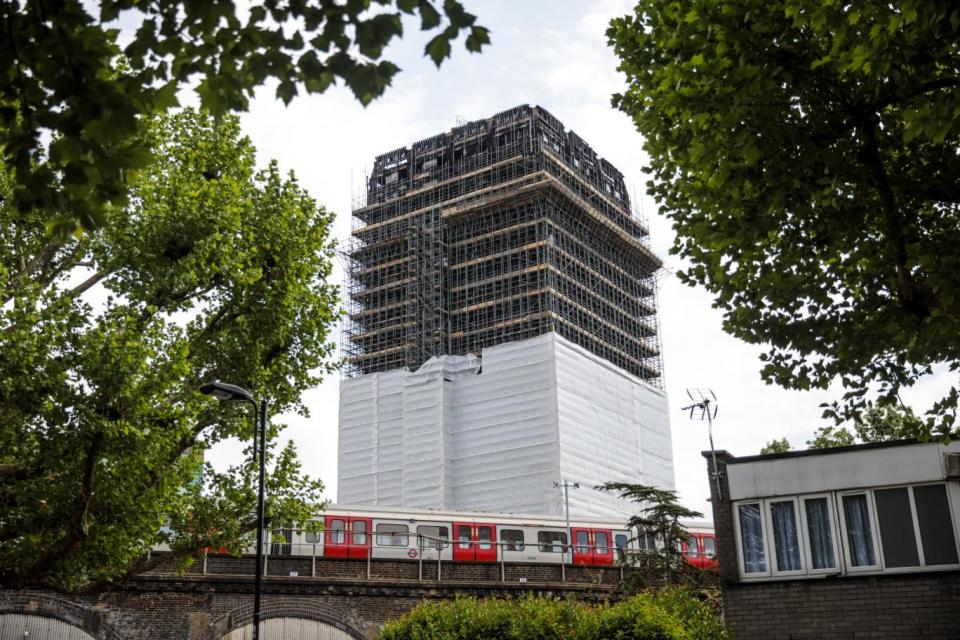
412, 553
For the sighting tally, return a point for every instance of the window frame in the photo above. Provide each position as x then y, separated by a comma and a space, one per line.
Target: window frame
771, 542
872, 515
402, 534
559, 541
838, 556
741, 564
953, 526
513, 545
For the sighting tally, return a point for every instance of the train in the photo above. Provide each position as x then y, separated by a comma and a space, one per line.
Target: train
464, 536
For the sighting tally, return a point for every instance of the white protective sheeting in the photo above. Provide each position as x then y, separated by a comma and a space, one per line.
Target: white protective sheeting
453, 435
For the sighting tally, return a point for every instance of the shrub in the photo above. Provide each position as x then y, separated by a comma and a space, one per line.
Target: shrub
665, 614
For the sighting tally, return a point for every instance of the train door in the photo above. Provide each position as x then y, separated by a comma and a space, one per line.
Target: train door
691, 549
592, 546
346, 537
475, 541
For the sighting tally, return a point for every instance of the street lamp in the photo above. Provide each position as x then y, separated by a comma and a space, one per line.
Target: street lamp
230, 392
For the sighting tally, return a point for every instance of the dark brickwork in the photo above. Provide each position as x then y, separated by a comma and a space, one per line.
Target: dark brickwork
215, 596
901, 606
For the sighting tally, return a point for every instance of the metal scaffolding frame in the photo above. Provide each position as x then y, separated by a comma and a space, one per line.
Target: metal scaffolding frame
499, 230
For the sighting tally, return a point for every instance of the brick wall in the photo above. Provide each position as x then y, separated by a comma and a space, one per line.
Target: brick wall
198, 606
901, 606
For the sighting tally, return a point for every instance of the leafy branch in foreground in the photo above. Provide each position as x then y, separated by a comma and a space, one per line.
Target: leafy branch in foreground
806, 152
70, 74
213, 270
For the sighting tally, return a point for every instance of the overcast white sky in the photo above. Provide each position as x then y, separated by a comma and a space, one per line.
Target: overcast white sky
552, 54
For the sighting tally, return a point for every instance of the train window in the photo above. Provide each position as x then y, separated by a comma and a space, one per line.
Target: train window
692, 550
603, 544
709, 546
337, 535
620, 541
581, 542
312, 537
432, 537
485, 535
647, 542
551, 541
463, 536
359, 532
512, 539
392, 535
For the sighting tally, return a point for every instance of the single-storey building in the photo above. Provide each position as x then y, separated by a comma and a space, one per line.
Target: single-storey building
857, 541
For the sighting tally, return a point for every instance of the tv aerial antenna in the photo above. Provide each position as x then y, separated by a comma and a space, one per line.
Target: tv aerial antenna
704, 407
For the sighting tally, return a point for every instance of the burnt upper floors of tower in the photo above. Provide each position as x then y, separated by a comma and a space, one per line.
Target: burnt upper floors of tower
477, 159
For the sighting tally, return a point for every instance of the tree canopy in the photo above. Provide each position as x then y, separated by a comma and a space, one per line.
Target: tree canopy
806, 152
659, 515
83, 79
876, 424
212, 270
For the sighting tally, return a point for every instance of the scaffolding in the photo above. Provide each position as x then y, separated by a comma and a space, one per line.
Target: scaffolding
499, 230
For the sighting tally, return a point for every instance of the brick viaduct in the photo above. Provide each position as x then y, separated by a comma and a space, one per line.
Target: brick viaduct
215, 597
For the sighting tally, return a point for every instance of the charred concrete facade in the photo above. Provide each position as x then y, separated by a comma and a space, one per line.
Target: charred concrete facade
499, 230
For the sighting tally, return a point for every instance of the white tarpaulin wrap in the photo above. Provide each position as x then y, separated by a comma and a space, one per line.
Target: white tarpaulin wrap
455, 435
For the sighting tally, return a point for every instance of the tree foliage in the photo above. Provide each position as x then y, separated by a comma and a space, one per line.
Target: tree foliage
876, 424
213, 270
70, 73
666, 614
776, 446
659, 517
807, 154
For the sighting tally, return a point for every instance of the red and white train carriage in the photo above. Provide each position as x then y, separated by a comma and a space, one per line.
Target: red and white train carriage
428, 534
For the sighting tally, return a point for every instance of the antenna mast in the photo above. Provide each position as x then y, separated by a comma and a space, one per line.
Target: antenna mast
704, 407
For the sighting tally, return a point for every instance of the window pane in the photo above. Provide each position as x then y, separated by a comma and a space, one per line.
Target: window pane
620, 540
392, 535
551, 541
431, 537
859, 533
751, 534
895, 522
580, 539
936, 529
785, 539
312, 538
602, 544
512, 539
692, 549
337, 535
709, 546
486, 537
819, 533
464, 536
359, 532
647, 541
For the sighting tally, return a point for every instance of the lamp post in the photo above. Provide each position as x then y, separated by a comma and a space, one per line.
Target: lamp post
229, 392
566, 501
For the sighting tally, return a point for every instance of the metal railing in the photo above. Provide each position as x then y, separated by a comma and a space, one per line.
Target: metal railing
345, 540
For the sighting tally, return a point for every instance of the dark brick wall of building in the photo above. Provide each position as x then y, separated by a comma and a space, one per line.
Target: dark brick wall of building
900, 606
205, 606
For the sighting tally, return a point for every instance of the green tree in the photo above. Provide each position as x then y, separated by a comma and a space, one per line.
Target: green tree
876, 424
777, 446
807, 154
70, 75
659, 517
213, 270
